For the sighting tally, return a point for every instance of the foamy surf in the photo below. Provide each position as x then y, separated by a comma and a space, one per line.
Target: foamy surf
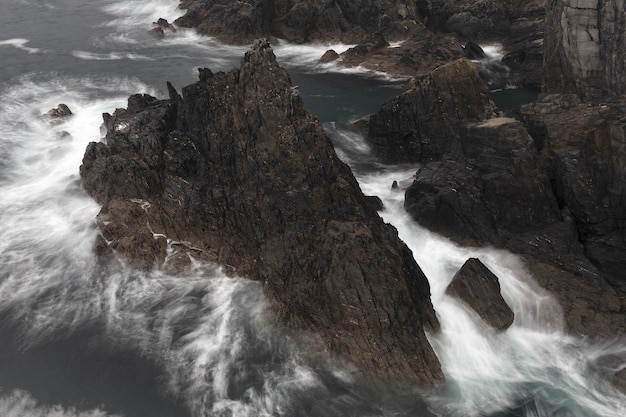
20, 44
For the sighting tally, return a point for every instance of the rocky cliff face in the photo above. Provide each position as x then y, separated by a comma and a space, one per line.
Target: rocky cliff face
584, 47
236, 171
552, 192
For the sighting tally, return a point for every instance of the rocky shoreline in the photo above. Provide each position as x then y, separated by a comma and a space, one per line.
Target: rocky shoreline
236, 171
547, 183
412, 38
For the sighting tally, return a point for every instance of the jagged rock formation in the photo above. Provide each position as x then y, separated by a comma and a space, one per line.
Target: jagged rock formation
585, 150
479, 288
421, 52
555, 197
235, 170
299, 20
424, 122
517, 25
584, 48
491, 189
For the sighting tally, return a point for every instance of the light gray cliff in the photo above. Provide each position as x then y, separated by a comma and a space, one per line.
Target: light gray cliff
584, 47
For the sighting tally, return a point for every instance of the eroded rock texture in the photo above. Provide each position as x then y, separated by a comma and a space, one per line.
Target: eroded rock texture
555, 196
235, 170
479, 288
424, 122
299, 20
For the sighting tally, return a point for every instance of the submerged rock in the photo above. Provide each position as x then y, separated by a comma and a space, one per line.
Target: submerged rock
62, 111
479, 288
235, 170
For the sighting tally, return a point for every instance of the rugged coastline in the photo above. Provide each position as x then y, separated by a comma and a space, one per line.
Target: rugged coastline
236, 171
545, 182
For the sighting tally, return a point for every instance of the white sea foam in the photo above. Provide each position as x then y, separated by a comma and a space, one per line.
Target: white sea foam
210, 333
111, 56
533, 365
494, 51
21, 404
137, 13
20, 44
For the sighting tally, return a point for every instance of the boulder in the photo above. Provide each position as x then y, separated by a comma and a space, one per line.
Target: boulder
235, 170
62, 111
479, 288
472, 50
329, 56
161, 26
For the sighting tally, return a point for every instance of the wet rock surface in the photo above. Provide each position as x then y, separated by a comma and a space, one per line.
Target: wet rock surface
422, 35
424, 123
550, 189
299, 20
479, 288
236, 171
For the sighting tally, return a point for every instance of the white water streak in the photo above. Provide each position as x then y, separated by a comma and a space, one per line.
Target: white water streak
21, 404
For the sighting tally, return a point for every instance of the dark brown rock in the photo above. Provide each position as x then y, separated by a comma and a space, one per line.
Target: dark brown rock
619, 380
585, 147
62, 111
299, 20
417, 54
238, 172
329, 56
495, 189
424, 123
161, 26
478, 287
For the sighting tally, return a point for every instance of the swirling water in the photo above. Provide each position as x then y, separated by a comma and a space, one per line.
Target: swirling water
79, 341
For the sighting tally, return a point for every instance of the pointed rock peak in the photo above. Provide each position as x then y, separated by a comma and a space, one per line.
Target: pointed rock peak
261, 50
174, 96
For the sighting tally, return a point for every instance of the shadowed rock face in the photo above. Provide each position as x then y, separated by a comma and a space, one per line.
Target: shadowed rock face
424, 123
479, 288
554, 196
238, 172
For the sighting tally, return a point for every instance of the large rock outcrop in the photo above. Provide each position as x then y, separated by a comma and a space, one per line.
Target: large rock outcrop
517, 25
584, 48
584, 147
554, 196
235, 170
424, 123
